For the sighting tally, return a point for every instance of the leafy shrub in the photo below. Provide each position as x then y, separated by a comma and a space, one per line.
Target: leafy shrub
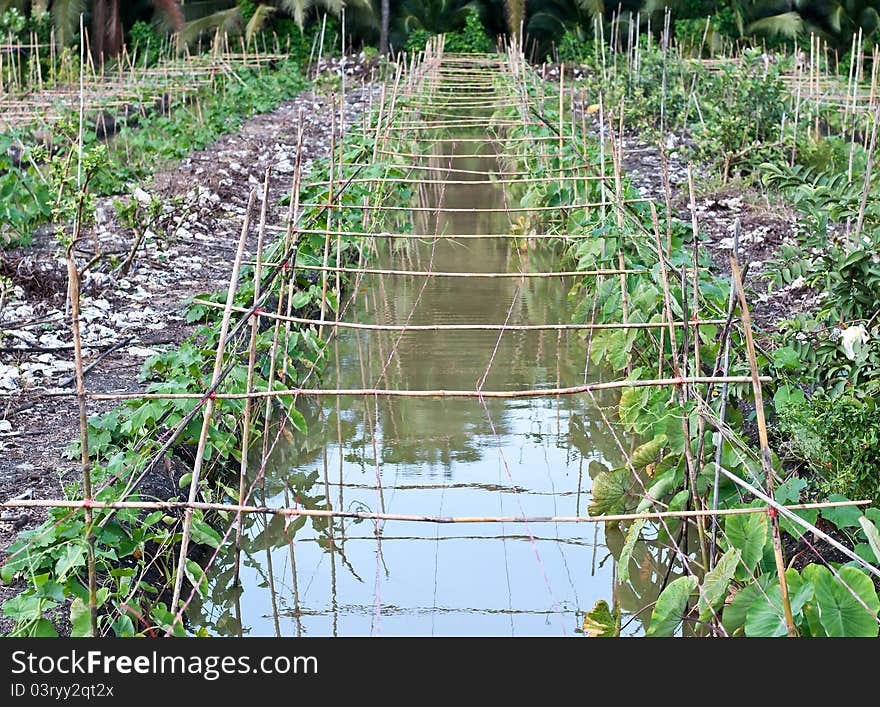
472, 38
839, 437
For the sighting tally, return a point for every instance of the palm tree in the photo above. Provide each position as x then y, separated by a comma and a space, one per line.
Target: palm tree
386, 23
107, 29
227, 15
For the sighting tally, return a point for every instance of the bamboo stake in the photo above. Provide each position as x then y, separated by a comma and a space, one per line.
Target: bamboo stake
318, 513
252, 360
766, 461
209, 406
525, 393
74, 295
467, 327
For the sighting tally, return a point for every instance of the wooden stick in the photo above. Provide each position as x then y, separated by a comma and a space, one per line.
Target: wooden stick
527, 393
766, 460
317, 513
209, 405
465, 327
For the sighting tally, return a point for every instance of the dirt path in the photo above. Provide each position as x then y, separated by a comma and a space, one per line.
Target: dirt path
765, 225
188, 250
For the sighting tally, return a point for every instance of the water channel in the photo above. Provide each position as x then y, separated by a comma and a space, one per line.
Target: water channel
444, 457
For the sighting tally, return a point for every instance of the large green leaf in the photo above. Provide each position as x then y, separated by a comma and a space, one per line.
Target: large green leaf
669, 609
873, 536
74, 556
662, 485
196, 575
602, 622
747, 533
204, 534
847, 606
716, 582
648, 452
766, 616
611, 492
80, 619
842, 516
632, 535
734, 616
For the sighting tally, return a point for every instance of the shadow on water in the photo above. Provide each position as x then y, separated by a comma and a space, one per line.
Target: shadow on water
449, 457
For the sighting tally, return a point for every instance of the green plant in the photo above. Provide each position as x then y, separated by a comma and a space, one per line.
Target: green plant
471, 38
838, 436
134, 550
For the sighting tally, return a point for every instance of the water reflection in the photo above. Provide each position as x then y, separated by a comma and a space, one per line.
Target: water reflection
443, 457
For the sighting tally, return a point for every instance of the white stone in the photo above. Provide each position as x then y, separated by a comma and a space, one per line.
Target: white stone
141, 197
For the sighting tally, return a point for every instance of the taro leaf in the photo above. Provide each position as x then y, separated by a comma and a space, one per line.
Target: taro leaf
847, 606
43, 629
734, 616
611, 492
675, 434
669, 609
873, 536
204, 534
300, 299
766, 617
601, 622
632, 406
632, 535
74, 556
662, 485
842, 516
747, 532
80, 619
24, 608
787, 358
123, 627
648, 452
716, 582
196, 575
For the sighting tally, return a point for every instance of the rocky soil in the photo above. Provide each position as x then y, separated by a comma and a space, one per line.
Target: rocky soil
188, 246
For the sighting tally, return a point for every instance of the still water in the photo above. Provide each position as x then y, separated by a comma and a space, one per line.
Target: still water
439, 457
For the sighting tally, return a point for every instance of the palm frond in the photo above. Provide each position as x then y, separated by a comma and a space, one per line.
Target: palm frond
869, 20
258, 20
226, 21
591, 8
65, 18
171, 14
786, 24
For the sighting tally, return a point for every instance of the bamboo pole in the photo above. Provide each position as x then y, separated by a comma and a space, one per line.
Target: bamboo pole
319, 513
525, 393
766, 461
209, 406
466, 327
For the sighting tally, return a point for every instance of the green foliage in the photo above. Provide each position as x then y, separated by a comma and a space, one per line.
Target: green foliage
471, 38
669, 609
601, 621
52, 558
839, 438
38, 188
145, 42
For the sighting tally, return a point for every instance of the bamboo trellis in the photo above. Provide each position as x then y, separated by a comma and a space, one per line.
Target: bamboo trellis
412, 96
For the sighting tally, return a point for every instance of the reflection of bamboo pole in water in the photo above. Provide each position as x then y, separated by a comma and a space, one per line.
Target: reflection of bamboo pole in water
333, 603
254, 329
329, 206
246, 428
558, 378
296, 610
